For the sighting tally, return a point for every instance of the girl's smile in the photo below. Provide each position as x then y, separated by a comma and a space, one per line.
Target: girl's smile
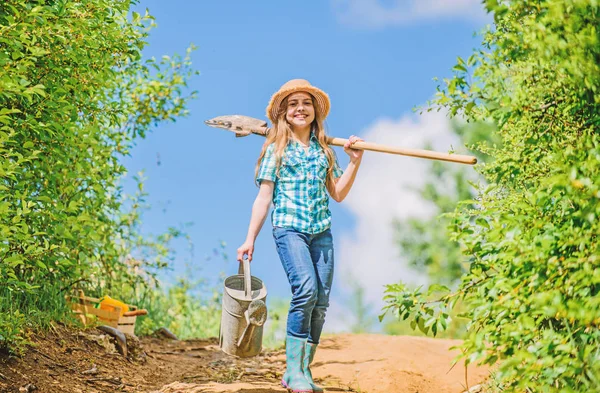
300, 111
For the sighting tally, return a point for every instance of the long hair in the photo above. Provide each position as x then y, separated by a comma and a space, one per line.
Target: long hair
281, 134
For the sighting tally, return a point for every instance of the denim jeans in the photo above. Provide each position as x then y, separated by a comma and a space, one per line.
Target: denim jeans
308, 262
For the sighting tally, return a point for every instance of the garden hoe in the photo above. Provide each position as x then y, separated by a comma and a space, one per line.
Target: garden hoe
244, 126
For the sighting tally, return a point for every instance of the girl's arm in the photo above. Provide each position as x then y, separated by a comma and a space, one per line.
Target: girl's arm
343, 184
260, 208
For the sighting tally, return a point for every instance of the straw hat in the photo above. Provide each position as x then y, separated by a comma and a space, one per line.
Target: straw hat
292, 86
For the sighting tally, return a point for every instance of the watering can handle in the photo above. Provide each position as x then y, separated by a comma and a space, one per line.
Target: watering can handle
245, 270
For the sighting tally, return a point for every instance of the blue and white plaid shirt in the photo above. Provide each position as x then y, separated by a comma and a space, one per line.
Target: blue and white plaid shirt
300, 197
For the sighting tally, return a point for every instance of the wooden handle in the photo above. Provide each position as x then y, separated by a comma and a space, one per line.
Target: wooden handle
244, 125
135, 313
432, 155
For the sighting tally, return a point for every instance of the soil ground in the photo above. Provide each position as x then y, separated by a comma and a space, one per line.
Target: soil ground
72, 361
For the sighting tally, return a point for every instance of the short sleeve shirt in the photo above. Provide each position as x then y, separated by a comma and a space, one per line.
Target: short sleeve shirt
300, 199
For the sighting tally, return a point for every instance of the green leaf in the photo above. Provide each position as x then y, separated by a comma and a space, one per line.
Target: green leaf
437, 288
459, 67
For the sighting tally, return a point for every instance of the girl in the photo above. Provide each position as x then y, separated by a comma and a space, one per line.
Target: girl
295, 169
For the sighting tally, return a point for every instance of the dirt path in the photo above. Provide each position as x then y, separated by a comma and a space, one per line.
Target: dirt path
362, 363
74, 362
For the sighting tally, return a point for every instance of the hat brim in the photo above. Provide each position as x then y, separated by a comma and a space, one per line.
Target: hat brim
321, 100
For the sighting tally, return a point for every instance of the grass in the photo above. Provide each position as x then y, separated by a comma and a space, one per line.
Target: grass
22, 312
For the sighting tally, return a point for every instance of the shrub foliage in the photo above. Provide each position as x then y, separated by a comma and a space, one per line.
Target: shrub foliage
74, 96
531, 234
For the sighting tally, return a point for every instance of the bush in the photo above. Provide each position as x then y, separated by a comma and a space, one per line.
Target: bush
74, 95
531, 234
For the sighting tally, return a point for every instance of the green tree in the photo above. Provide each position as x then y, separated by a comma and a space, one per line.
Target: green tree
362, 319
424, 243
75, 93
531, 233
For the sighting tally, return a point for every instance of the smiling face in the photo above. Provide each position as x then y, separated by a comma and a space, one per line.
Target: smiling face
300, 111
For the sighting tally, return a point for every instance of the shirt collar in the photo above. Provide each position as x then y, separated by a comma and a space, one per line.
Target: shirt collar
312, 137
313, 143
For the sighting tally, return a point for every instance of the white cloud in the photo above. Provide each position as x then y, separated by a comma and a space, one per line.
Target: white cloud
374, 14
384, 190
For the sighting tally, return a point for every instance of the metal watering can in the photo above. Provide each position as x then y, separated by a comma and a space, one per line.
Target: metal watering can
243, 313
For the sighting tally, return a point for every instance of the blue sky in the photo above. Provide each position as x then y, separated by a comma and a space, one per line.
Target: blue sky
375, 59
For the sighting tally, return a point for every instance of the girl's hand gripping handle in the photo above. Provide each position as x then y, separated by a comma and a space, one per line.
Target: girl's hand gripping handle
245, 249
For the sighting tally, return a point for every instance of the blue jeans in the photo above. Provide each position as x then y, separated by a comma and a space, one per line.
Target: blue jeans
308, 262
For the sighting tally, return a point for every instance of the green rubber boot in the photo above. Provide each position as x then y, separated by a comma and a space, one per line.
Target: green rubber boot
293, 379
309, 355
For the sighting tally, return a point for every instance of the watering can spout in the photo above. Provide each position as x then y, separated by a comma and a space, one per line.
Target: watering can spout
256, 315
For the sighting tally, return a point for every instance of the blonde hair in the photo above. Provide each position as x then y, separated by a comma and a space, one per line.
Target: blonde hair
281, 134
